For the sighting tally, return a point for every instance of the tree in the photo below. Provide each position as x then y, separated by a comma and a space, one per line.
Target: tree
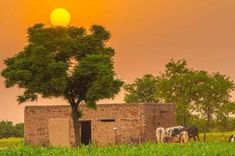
64, 62
195, 92
19, 130
142, 90
175, 85
6, 129
213, 97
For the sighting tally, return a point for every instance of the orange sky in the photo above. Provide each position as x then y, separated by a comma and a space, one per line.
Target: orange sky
145, 33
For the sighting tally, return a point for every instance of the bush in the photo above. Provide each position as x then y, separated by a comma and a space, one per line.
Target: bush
8, 129
19, 130
215, 125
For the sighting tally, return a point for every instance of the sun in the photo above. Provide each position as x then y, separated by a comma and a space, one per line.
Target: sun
60, 17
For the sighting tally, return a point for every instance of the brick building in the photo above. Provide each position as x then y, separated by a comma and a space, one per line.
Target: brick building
108, 124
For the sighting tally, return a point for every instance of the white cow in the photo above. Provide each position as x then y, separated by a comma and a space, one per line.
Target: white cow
160, 134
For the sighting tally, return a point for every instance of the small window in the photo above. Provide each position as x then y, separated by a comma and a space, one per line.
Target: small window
164, 111
107, 120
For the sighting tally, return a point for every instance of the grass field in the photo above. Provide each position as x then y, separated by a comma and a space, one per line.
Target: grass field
215, 146
218, 136
10, 142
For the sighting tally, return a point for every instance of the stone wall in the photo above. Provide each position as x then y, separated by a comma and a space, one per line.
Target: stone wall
134, 123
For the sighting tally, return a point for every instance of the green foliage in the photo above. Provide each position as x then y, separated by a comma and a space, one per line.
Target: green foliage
215, 125
213, 96
175, 86
190, 149
8, 129
64, 62
216, 144
19, 130
99, 77
195, 93
200, 97
142, 90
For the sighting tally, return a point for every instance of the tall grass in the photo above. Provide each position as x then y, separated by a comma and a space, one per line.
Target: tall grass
191, 149
216, 145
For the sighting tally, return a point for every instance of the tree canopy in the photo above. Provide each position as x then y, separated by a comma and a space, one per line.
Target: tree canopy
213, 99
66, 62
176, 86
195, 92
61, 61
142, 90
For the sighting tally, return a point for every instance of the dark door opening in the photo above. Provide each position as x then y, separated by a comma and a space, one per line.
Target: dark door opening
85, 132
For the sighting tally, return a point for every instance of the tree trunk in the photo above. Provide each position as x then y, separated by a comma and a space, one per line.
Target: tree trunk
207, 127
185, 119
76, 125
204, 136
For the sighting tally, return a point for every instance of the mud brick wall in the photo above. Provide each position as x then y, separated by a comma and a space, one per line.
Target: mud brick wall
134, 123
157, 115
127, 117
36, 122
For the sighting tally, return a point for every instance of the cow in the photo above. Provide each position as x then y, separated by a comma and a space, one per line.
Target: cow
192, 132
184, 137
173, 131
160, 134
232, 138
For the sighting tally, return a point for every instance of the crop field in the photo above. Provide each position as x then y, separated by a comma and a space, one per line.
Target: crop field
191, 149
10, 142
216, 145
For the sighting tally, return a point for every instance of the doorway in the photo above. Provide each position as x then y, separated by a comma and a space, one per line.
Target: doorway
85, 132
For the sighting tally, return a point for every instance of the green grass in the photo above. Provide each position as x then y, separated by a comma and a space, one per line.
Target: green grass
10, 142
215, 146
218, 136
191, 149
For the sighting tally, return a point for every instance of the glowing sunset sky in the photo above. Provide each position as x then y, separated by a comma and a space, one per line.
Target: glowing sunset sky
145, 33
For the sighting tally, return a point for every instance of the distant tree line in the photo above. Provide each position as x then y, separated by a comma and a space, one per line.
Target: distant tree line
201, 98
8, 129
